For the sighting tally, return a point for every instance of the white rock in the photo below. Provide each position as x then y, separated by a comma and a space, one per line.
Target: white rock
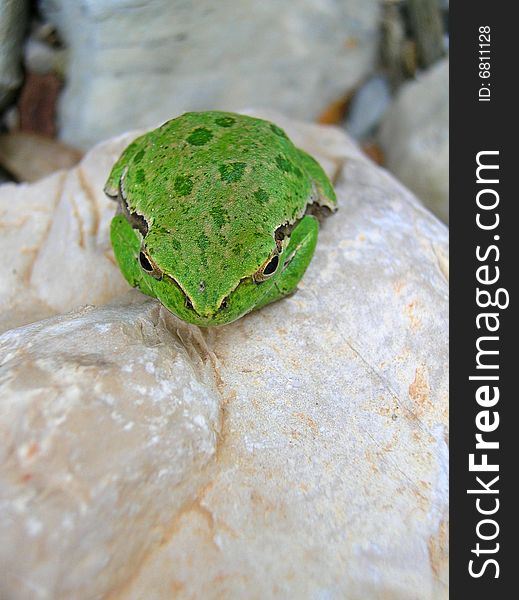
134, 63
56, 239
13, 14
415, 138
299, 452
108, 426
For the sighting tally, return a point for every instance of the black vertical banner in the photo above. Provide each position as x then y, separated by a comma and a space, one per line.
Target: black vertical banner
484, 234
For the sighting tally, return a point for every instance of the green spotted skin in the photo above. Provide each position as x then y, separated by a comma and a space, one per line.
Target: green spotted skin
217, 214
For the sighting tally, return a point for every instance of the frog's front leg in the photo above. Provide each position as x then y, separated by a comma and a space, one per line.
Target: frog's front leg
296, 259
126, 245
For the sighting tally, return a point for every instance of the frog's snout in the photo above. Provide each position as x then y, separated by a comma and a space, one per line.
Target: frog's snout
203, 305
202, 300
206, 310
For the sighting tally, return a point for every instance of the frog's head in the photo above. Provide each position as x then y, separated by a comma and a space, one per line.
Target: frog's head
210, 284
201, 282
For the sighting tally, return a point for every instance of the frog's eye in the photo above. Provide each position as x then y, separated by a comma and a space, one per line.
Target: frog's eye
149, 266
271, 266
268, 269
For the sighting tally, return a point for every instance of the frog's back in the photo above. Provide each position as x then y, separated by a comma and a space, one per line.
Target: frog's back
217, 163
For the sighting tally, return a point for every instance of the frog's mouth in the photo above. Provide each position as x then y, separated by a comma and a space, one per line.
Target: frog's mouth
226, 311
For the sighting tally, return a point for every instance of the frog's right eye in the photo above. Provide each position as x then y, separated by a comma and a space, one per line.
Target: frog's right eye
149, 266
268, 269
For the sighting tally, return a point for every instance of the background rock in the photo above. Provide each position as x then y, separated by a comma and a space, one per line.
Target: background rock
368, 106
29, 157
328, 476
426, 21
134, 64
43, 54
414, 135
13, 14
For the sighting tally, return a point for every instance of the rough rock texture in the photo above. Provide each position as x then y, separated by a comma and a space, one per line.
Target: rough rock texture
56, 238
135, 63
13, 15
108, 423
299, 452
415, 137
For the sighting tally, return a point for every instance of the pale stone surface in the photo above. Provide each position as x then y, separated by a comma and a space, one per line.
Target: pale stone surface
134, 63
56, 243
108, 423
415, 138
327, 477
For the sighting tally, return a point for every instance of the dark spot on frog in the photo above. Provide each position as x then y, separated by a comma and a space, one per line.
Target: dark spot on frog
201, 287
139, 156
183, 185
278, 131
219, 215
225, 121
199, 136
232, 172
261, 195
176, 244
283, 164
140, 176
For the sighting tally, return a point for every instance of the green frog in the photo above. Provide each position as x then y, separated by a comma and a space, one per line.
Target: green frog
218, 214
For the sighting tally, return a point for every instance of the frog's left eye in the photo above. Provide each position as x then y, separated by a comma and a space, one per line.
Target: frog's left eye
149, 266
268, 269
